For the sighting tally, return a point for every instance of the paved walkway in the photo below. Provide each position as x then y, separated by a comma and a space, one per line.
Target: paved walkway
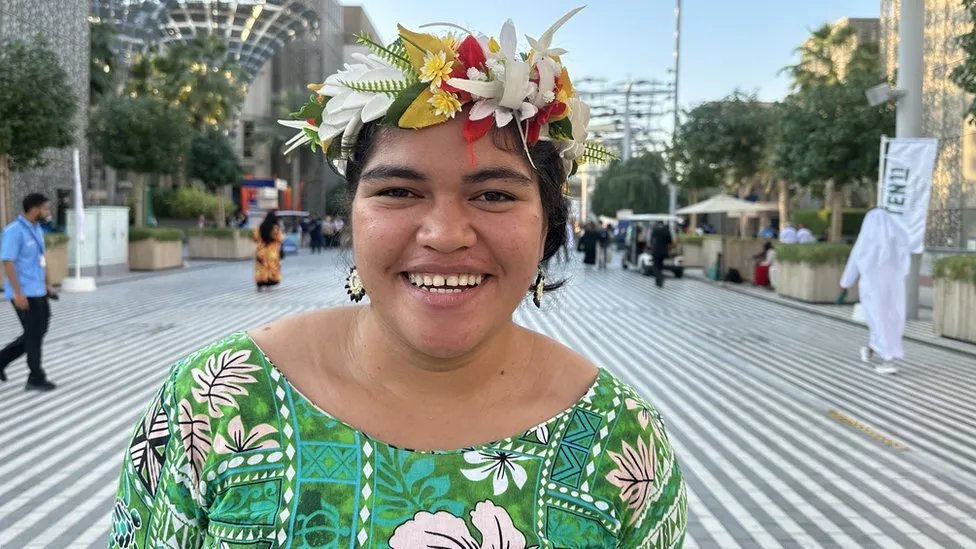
785, 438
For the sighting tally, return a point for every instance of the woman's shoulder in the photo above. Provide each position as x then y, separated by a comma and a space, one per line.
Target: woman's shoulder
217, 375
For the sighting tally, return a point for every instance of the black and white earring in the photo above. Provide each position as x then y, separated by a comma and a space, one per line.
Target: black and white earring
538, 288
354, 286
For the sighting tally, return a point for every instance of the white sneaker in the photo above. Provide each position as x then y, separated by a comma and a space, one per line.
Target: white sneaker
865, 354
886, 368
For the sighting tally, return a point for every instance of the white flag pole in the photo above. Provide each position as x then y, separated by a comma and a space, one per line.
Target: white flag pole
78, 283
881, 168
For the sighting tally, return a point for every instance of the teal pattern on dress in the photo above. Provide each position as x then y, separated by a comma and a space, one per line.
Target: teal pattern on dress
229, 455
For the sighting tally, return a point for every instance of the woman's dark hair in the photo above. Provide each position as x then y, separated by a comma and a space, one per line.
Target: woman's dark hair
268, 226
548, 169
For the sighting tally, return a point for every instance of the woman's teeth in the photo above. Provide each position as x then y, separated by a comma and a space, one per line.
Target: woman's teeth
444, 284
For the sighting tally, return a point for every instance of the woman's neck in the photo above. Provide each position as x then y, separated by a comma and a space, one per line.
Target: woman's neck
378, 358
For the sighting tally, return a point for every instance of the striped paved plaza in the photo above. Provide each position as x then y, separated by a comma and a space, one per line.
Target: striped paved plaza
785, 438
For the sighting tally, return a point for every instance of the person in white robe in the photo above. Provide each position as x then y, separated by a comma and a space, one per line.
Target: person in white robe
880, 262
788, 236
805, 236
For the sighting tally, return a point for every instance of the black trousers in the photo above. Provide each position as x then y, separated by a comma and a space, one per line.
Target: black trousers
35, 321
658, 269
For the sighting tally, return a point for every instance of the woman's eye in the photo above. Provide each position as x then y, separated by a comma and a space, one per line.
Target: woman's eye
396, 193
494, 196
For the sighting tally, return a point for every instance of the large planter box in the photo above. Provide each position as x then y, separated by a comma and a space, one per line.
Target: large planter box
694, 253
232, 244
155, 255
954, 313
812, 283
56, 257
954, 310
711, 248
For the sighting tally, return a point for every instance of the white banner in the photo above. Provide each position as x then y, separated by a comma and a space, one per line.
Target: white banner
907, 184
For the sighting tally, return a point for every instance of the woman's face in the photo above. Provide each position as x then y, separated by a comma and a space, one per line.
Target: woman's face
446, 250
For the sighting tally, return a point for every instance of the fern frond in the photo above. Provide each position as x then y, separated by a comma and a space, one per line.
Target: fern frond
396, 56
595, 153
392, 88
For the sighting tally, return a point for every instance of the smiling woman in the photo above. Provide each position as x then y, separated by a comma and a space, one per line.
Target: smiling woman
427, 418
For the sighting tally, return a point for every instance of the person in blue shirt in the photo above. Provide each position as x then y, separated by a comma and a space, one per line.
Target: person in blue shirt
26, 285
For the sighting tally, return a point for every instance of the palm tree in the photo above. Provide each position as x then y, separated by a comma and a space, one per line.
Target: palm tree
819, 56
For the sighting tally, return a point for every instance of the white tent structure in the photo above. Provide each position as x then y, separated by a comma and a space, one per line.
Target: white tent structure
723, 203
731, 207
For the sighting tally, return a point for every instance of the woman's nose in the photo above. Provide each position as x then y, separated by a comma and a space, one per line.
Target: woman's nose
446, 226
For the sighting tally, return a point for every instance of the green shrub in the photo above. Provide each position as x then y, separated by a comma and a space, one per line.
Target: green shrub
54, 239
226, 232
158, 234
819, 220
691, 239
959, 267
814, 254
187, 203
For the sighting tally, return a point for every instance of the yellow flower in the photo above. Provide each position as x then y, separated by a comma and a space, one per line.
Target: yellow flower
445, 103
437, 68
451, 42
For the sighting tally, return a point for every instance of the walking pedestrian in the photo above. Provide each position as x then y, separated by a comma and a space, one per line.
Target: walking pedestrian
588, 244
267, 255
425, 417
880, 262
28, 288
660, 249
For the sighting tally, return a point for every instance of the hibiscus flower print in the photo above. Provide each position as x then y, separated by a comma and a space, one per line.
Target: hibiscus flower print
497, 465
241, 441
634, 475
445, 531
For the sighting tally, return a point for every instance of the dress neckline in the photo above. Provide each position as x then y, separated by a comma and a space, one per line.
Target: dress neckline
601, 379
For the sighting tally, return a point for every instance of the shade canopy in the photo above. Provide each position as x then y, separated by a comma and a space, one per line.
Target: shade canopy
724, 203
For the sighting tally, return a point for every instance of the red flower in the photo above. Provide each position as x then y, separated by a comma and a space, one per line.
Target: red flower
471, 54
556, 108
311, 121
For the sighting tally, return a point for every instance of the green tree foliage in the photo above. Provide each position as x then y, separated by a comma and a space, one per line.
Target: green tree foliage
140, 135
104, 65
964, 75
826, 132
212, 159
634, 184
198, 76
725, 141
818, 58
37, 110
37, 106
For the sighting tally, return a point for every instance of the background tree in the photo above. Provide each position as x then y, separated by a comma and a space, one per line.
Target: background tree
199, 77
692, 172
831, 134
827, 134
634, 184
104, 66
142, 136
818, 65
212, 159
37, 110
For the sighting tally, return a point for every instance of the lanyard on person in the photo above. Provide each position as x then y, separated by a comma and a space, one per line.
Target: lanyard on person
39, 241
30, 229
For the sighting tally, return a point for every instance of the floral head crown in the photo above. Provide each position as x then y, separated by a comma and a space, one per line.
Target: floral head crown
421, 80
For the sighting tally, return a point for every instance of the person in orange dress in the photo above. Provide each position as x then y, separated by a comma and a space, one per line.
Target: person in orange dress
267, 266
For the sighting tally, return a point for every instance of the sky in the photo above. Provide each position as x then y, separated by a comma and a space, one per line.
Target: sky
725, 44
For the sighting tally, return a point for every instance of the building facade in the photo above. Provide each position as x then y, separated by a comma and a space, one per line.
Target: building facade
65, 26
952, 210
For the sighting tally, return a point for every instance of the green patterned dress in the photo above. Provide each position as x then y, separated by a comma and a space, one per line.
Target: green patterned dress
230, 455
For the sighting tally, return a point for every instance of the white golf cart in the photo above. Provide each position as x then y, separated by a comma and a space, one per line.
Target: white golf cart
635, 255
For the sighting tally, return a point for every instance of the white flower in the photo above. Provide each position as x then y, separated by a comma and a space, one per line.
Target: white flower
476, 75
579, 117
348, 109
497, 465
